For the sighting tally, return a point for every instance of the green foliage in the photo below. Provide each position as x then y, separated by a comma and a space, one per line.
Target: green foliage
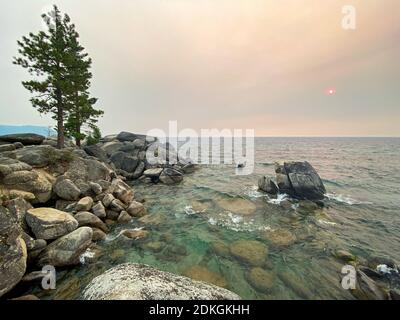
61, 75
55, 156
93, 137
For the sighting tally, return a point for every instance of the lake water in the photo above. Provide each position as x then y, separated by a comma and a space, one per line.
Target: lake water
194, 225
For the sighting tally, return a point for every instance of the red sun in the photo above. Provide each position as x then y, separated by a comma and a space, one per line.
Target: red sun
330, 91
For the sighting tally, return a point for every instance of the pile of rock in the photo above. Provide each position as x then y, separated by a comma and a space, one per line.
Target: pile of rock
76, 198
128, 154
297, 179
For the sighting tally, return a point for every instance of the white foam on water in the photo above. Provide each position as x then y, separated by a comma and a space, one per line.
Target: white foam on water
236, 222
87, 254
253, 192
329, 223
384, 269
281, 197
190, 211
345, 199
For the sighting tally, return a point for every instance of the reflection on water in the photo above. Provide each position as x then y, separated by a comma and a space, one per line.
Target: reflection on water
217, 226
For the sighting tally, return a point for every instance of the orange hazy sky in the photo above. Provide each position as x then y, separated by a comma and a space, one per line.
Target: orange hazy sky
260, 64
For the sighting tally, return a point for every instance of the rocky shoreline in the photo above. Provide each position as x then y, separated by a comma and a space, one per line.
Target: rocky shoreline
55, 205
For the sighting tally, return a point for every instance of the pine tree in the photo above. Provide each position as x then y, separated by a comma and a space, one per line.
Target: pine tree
61, 76
43, 54
82, 114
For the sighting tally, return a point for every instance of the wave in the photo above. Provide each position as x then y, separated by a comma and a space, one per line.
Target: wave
190, 211
345, 199
253, 192
281, 197
236, 223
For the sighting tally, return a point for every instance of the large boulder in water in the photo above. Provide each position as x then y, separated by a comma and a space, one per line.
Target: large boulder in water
299, 180
132, 281
24, 138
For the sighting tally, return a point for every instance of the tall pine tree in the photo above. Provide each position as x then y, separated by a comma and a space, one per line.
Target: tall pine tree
82, 114
61, 74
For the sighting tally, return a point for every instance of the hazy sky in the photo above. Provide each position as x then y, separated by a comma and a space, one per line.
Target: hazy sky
262, 64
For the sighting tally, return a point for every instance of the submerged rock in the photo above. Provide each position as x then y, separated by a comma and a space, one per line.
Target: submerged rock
201, 273
251, 252
135, 233
368, 289
280, 237
237, 205
260, 279
133, 281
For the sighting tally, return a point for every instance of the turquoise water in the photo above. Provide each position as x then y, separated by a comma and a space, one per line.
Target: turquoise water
193, 226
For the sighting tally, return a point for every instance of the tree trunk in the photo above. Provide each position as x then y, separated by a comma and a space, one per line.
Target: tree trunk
60, 120
78, 139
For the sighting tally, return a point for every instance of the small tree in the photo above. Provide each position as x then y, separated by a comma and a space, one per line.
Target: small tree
94, 136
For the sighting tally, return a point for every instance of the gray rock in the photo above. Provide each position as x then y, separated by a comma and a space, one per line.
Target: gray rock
153, 173
96, 188
96, 151
117, 205
267, 185
18, 208
133, 281
85, 204
24, 138
13, 258
20, 177
7, 147
139, 143
139, 170
89, 219
368, 289
108, 199
171, 176
300, 180
123, 161
38, 156
8, 165
67, 190
112, 147
112, 215
49, 223
66, 250
99, 210
128, 136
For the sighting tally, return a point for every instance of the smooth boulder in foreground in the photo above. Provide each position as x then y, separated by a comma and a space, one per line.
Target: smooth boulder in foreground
133, 281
